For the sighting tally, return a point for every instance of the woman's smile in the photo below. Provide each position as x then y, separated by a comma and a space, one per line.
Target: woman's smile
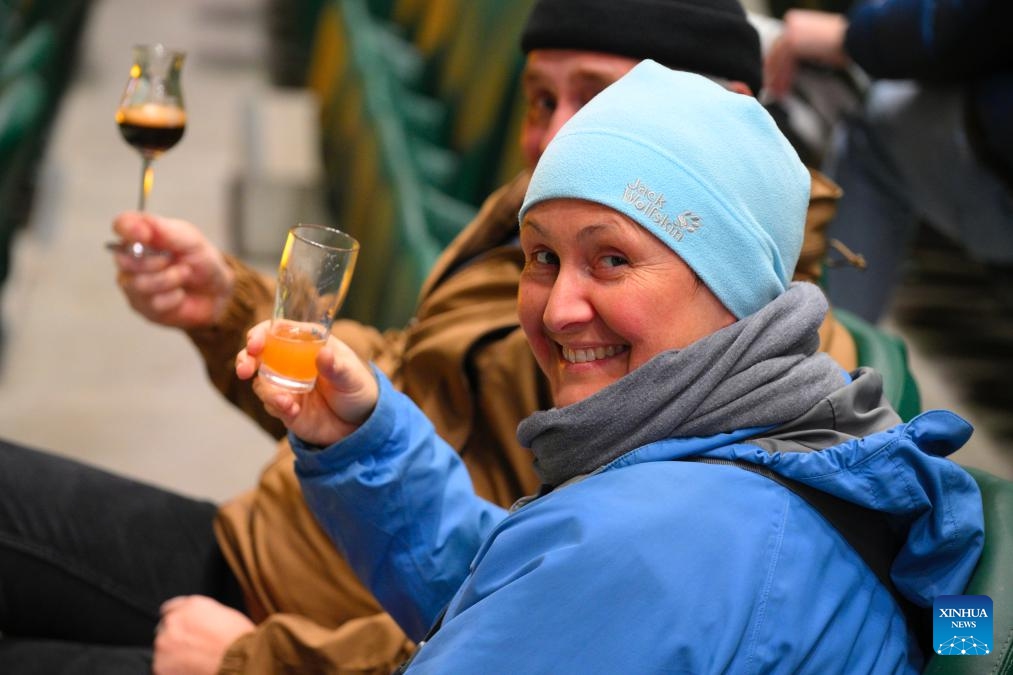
588, 354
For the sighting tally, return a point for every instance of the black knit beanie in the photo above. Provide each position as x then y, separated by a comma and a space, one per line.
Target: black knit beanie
709, 37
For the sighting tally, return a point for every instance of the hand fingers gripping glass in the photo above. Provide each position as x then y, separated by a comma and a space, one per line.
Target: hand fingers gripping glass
313, 277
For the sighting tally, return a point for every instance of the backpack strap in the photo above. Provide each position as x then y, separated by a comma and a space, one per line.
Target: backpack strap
867, 531
437, 624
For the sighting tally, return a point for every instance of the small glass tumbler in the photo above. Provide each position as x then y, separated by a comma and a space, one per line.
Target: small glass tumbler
313, 277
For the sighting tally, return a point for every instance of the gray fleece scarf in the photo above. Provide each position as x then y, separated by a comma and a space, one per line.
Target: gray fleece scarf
760, 371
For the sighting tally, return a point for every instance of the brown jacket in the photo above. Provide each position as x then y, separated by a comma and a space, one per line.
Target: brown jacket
465, 361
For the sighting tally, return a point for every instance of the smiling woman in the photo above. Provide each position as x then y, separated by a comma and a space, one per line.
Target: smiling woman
599, 296
659, 232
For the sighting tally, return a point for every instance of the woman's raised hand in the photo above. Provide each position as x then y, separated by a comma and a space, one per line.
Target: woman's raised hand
344, 396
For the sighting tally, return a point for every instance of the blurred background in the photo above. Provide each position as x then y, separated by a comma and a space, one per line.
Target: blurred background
392, 119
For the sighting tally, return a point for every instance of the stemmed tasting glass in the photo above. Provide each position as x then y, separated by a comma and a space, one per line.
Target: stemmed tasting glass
151, 117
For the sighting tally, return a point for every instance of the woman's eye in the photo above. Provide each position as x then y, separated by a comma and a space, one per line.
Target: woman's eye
614, 261
545, 258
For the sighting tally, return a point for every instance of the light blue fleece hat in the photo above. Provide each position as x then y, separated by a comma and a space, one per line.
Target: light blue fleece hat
704, 169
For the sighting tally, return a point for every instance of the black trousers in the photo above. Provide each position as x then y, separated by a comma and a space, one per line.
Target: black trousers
86, 559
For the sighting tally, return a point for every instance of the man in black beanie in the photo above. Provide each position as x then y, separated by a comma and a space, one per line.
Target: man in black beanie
709, 38
575, 48
463, 359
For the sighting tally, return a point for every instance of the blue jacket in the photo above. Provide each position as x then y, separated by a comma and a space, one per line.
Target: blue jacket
651, 565
967, 41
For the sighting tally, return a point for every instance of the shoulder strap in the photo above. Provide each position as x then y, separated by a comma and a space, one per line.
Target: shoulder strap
437, 624
867, 531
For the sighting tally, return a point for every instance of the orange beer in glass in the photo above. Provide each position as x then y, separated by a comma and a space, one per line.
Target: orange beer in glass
313, 277
291, 349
